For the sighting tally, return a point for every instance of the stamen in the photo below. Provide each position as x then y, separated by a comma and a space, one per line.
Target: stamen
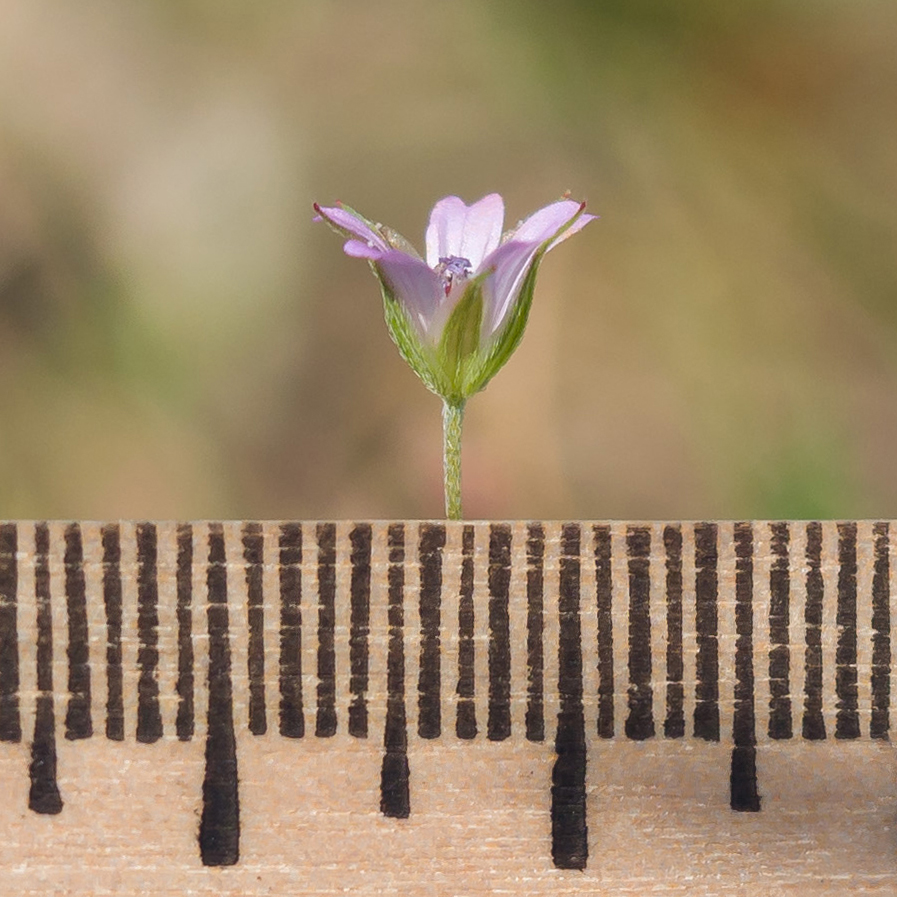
450, 267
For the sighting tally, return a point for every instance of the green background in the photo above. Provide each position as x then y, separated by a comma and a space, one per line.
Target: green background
177, 339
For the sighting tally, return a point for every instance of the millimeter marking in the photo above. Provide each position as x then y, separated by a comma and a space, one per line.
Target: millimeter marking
748, 632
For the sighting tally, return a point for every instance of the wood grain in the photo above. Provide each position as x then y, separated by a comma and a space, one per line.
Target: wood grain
317, 616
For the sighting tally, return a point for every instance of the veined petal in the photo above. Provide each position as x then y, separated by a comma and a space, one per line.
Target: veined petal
482, 229
575, 227
445, 229
414, 284
545, 224
510, 263
351, 225
543, 230
461, 231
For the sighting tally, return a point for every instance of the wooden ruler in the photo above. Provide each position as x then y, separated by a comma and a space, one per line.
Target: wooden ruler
447, 708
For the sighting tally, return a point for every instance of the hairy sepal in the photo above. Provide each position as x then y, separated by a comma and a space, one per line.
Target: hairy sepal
459, 345
406, 336
495, 354
397, 241
460, 366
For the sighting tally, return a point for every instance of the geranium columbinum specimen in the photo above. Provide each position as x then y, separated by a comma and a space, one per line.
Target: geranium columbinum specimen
457, 315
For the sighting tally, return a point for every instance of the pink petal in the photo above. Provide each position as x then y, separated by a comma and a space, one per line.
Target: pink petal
445, 229
574, 228
513, 258
359, 250
469, 232
482, 229
414, 284
350, 225
544, 224
511, 262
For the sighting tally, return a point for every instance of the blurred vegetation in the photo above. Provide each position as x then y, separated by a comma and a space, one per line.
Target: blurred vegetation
177, 339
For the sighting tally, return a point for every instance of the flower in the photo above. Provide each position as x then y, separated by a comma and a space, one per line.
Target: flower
457, 316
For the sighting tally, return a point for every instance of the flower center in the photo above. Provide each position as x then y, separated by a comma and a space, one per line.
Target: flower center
450, 267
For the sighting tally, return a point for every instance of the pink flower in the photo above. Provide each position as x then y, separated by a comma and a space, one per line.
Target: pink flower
457, 316
465, 249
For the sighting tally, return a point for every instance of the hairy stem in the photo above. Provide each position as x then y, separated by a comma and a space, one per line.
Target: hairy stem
452, 418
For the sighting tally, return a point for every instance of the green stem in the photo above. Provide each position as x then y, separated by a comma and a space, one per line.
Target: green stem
452, 418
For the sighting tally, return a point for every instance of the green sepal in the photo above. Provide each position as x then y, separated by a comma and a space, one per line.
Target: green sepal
495, 353
397, 241
490, 358
404, 333
460, 340
463, 363
503, 344
459, 366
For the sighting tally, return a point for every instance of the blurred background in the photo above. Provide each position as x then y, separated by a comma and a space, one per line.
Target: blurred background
177, 339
